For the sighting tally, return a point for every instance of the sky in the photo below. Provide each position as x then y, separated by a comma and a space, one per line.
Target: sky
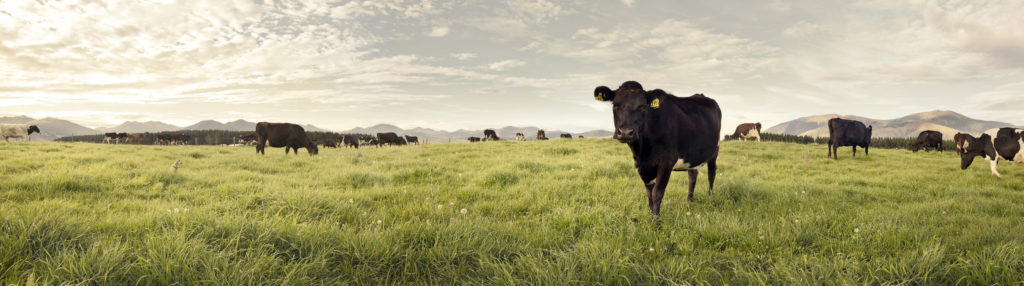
494, 63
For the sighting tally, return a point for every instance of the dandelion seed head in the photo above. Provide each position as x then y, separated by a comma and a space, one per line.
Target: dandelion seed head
463, 211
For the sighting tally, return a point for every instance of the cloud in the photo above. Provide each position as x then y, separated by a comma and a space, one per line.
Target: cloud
463, 56
439, 31
628, 3
506, 64
801, 29
538, 11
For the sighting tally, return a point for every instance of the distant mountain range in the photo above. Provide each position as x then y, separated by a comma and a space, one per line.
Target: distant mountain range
53, 128
506, 133
947, 122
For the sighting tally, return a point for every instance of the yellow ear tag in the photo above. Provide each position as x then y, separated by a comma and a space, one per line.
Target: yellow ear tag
600, 96
965, 151
655, 103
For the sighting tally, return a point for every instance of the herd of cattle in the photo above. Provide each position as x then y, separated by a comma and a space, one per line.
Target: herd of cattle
667, 133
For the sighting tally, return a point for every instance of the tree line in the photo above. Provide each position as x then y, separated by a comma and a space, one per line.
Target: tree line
876, 142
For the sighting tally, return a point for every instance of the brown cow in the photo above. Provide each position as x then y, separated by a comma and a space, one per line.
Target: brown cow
746, 131
135, 138
290, 136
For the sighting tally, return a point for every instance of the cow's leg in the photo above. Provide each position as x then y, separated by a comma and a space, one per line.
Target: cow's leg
712, 170
664, 172
648, 176
835, 151
992, 164
758, 138
855, 150
939, 147
866, 148
692, 184
830, 148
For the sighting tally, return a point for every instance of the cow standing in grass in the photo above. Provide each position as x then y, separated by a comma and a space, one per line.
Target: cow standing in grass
844, 132
20, 131
928, 139
746, 131
1003, 143
541, 135
290, 136
665, 133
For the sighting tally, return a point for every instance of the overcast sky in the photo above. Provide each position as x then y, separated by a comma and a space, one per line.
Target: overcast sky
493, 63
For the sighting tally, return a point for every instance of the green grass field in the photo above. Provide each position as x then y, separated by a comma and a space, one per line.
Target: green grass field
555, 212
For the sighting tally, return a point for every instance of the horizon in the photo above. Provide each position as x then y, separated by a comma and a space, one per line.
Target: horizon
340, 65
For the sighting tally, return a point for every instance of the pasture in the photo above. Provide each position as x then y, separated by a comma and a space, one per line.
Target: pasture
540, 212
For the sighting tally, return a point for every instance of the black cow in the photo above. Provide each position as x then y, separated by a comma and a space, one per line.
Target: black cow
927, 139
579, 137
181, 139
1005, 143
290, 136
842, 132
389, 138
349, 141
473, 139
247, 139
541, 135
665, 133
746, 131
490, 135
328, 143
412, 140
566, 136
164, 139
110, 136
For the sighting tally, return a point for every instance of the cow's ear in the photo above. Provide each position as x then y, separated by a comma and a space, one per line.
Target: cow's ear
603, 93
655, 97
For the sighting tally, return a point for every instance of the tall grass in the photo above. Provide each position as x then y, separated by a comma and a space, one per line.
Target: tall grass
551, 212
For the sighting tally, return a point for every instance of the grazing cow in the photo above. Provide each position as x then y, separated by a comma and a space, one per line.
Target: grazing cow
927, 139
844, 132
20, 131
1003, 143
665, 133
367, 140
290, 136
520, 137
110, 136
579, 137
746, 131
490, 135
328, 143
181, 139
541, 135
122, 137
566, 136
389, 138
412, 140
349, 141
473, 139
247, 139
163, 139
135, 138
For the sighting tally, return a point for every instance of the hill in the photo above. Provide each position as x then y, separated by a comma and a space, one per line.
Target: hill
141, 127
947, 122
51, 128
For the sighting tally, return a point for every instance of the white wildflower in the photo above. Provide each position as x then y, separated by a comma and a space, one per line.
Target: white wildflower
379, 221
856, 230
463, 211
440, 206
687, 213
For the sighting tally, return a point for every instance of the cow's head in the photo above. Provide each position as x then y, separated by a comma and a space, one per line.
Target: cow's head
631, 108
959, 140
915, 147
971, 147
33, 128
313, 150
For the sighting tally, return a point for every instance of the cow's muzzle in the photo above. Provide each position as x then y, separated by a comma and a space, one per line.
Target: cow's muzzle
624, 135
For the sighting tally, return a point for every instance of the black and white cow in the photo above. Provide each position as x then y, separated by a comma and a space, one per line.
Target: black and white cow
1003, 143
844, 132
520, 137
20, 131
412, 140
927, 139
109, 136
349, 141
665, 133
473, 139
541, 135
490, 135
